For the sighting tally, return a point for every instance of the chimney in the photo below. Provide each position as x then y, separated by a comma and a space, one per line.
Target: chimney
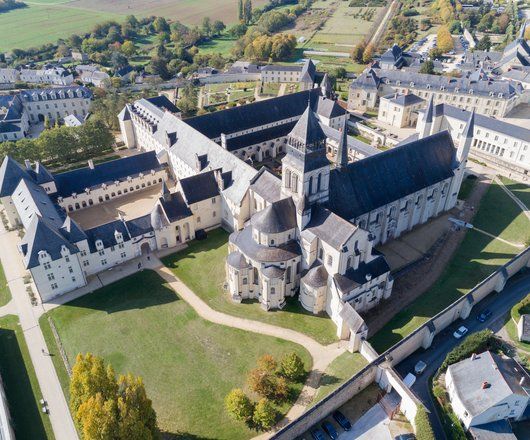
485, 385
223, 140
473, 356
27, 163
368, 276
90, 164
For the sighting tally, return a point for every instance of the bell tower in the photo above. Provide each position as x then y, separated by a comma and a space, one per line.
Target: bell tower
305, 167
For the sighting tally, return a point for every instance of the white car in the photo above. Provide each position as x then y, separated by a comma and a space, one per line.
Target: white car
461, 332
419, 368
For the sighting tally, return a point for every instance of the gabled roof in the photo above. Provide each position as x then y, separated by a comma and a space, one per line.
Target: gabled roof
375, 181
175, 207
11, 172
403, 99
354, 278
307, 130
330, 228
42, 175
266, 185
72, 231
42, 234
163, 103
278, 217
200, 187
106, 233
107, 172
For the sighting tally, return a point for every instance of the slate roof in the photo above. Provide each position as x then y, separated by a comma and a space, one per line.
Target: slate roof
307, 130
375, 181
42, 205
200, 187
249, 116
139, 226
41, 235
422, 81
42, 175
329, 108
403, 99
56, 93
280, 68
11, 173
105, 233
12, 108
107, 172
72, 231
8, 127
273, 272
163, 103
243, 241
278, 217
483, 121
330, 228
316, 277
502, 374
175, 207
354, 278
267, 185
257, 137
237, 260
499, 430
353, 143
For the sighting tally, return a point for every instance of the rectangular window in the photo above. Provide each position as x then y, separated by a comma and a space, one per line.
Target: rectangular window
123, 254
86, 263
51, 277
47, 266
101, 252
70, 270
104, 262
54, 286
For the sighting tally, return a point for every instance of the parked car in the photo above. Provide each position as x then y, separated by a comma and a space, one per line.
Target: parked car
342, 420
330, 430
409, 436
461, 332
483, 317
317, 434
409, 380
420, 367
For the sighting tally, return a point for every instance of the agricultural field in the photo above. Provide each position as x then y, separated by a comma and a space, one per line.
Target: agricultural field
44, 21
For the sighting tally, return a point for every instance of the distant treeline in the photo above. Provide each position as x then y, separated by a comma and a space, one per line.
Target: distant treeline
8, 5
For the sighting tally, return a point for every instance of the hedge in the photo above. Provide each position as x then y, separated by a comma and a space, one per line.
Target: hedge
423, 425
474, 343
521, 308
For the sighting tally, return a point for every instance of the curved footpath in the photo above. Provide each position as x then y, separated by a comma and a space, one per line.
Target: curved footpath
322, 355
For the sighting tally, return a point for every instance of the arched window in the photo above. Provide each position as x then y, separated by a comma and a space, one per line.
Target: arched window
287, 178
350, 259
319, 182
273, 290
311, 185
288, 275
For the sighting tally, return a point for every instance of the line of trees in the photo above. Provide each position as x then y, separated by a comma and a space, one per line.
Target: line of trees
108, 407
62, 144
8, 5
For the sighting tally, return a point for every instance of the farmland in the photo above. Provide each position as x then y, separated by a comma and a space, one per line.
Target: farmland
44, 21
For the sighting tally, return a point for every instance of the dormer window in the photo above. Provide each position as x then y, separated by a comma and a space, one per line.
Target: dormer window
118, 236
99, 244
470, 91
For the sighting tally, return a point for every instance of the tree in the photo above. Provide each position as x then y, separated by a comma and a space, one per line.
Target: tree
118, 60
240, 11
264, 415
206, 26
99, 418
261, 382
267, 363
247, 11
160, 25
238, 405
188, 101
368, 54
357, 52
159, 67
292, 366
427, 67
128, 48
444, 40
75, 40
218, 27
484, 43
237, 30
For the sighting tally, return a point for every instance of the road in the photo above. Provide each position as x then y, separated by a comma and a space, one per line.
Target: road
499, 303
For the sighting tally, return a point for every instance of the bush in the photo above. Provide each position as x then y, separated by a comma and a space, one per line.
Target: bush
292, 367
475, 343
423, 425
521, 307
238, 405
264, 415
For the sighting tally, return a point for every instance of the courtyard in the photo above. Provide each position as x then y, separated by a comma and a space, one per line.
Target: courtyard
201, 266
130, 206
140, 325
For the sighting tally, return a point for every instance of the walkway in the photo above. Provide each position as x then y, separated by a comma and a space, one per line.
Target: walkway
322, 355
62, 423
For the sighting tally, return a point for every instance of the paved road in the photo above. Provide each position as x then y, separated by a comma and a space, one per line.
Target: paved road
499, 303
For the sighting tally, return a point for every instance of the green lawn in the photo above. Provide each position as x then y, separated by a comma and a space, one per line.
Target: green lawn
467, 186
20, 383
520, 190
202, 268
477, 257
5, 293
45, 23
140, 325
338, 372
221, 45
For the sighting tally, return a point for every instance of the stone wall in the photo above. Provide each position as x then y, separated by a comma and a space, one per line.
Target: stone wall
380, 368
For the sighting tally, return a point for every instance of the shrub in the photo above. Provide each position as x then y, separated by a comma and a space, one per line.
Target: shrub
292, 367
264, 415
475, 343
423, 425
238, 405
523, 306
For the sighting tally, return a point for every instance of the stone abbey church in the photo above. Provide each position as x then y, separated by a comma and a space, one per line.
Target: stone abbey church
310, 233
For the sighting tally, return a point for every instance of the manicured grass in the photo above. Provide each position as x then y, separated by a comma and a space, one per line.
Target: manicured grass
20, 383
45, 23
477, 257
5, 293
338, 372
140, 325
221, 45
520, 190
202, 268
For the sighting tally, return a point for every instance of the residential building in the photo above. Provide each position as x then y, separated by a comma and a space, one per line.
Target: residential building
303, 74
477, 91
91, 74
395, 58
487, 388
400, 110
49, 74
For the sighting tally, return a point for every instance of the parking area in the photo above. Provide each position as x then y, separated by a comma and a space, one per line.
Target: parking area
368, 418
130, 206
